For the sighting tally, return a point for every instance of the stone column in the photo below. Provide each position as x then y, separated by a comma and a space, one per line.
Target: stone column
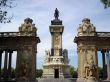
25, 67
0, 62
80, 71
103, 63
9, 65
5, 65
108, 65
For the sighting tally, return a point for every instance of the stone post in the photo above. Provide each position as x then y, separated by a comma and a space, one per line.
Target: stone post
103, 63
0, 62
108, 65
9, 65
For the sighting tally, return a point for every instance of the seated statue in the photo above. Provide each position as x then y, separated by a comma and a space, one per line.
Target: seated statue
47, 55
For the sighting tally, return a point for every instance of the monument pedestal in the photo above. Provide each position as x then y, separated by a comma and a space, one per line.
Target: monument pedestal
56, 68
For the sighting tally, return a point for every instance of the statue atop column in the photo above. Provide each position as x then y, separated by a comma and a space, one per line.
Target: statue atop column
56, 14
56, 21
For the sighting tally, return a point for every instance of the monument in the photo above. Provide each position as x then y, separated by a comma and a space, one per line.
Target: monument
89, 41
24, 42
56, 63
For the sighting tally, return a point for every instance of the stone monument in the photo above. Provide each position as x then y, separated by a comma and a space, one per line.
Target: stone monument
56, 63
24, 42
87, 55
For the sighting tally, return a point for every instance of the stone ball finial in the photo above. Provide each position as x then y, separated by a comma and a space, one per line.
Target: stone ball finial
28, 20
86, 20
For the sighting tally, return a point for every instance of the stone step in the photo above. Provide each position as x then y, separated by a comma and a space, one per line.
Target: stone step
56, 80
61, 80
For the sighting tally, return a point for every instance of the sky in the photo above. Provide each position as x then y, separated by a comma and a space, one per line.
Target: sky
71, 13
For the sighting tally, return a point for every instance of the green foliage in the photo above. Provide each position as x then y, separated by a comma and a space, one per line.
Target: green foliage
100, 71
39, 73
72, 70
13, 73
106, 3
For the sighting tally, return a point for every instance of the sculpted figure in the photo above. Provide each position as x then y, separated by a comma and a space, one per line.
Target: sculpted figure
86, 70
24, 67
47, 52
57, 40
90, 68
86, 27
56, 14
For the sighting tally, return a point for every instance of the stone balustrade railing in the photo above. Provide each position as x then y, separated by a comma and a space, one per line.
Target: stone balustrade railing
103, 34
7, 34
14, 34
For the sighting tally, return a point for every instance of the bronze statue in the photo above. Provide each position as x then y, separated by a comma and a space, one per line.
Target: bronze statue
56, 14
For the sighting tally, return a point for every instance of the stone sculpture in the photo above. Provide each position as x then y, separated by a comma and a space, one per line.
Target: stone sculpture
86, 28
27, 27
90, 68
56, 14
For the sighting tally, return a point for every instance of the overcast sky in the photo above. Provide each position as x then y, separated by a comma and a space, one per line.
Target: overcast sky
71, 13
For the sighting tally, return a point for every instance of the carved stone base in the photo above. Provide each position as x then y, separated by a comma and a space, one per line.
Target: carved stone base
92, 79
80, 80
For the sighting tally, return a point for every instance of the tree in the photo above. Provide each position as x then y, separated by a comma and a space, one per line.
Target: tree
100, 71
3, 12
106, 3
13, 73
72, 70
39, 73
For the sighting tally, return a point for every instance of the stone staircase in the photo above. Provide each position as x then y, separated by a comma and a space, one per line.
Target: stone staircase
53, 80
56, 80
61, 80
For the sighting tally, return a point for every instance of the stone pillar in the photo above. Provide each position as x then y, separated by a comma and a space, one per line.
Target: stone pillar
26, 64
103, 63
5, 65
108, 65
0, 62
80, 71
9, 65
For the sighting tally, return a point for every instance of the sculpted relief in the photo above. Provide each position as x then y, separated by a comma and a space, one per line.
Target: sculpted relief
89, 68
47, 56
56, 40
86, 27
27, 26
